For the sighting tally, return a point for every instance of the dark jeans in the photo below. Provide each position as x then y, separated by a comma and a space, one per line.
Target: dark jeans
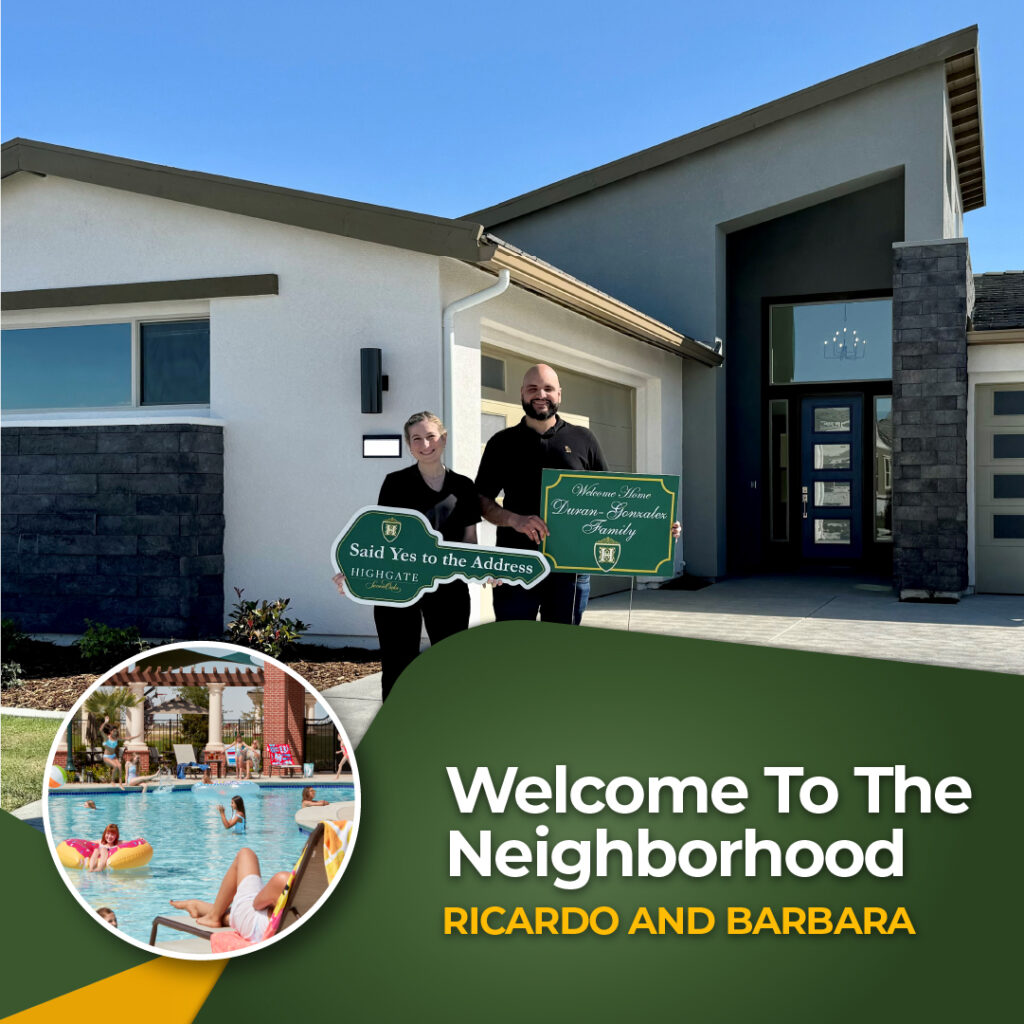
444, 612
561, 597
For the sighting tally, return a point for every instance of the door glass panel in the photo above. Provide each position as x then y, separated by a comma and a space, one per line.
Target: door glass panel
778, 413
831, 456
831, 531
832, 494
1008, 446
883, 469
1008, 527
1008, 486
834, 420
1008, 403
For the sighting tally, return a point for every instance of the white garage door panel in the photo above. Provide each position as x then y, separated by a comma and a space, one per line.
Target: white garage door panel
999, 488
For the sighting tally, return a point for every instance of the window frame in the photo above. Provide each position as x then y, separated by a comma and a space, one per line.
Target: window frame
771, 304
135, 323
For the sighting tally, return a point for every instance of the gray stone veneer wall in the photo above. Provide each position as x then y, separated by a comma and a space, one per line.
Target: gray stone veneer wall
122, 525
932, 289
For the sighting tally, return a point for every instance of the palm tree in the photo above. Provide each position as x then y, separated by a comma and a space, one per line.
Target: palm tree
107, 704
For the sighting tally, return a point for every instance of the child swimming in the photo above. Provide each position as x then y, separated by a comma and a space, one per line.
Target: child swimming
105, 847
307, 798
237, 821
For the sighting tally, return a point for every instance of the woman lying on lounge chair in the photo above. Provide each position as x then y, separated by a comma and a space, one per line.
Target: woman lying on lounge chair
243, 902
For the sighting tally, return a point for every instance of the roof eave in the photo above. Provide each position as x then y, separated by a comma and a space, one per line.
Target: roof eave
418, 232
543, 279
935, 51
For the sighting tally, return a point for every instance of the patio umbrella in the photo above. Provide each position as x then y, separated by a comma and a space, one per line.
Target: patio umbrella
182, 657
178, 706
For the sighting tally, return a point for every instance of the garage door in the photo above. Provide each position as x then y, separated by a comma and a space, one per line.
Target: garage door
999, 488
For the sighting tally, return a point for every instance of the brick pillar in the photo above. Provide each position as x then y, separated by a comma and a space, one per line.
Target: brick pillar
932, 292
283, 709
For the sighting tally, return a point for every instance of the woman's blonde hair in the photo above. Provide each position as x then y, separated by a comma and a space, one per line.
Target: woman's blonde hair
418, 417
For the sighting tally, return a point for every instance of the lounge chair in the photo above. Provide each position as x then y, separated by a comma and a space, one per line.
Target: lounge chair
307, 883
187, 763
280, 757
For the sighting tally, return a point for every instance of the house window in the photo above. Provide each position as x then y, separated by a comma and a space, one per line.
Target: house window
106, 366
831, 341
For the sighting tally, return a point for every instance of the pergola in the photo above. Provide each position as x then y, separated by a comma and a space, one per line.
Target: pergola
215, 680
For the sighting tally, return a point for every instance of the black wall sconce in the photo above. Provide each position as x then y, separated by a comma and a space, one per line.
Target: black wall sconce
372, 381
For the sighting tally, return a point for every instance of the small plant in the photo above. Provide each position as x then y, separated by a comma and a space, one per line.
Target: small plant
10, 675
13, 641
104, 646
263, 626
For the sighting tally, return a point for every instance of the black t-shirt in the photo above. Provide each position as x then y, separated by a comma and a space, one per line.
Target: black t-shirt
449, 510
513, 460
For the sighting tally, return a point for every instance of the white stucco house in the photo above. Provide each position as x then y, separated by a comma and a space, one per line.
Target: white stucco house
183, 408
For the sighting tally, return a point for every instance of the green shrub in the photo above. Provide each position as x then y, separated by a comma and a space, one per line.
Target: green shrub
104, 646
10, 675
263, 626
12, 639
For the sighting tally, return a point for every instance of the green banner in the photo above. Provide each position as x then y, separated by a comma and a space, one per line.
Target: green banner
393, 556
615, 523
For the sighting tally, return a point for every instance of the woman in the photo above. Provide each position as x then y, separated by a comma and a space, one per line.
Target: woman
111, 743
452, 507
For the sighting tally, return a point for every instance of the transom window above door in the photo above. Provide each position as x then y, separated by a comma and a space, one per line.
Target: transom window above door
831, 341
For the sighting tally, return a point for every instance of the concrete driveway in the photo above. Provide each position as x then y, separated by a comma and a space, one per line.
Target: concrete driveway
856, 616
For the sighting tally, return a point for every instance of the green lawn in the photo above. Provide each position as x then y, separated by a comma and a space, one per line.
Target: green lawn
24, 746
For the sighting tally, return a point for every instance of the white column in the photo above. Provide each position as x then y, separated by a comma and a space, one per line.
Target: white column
310, 704
137, 719
216, 740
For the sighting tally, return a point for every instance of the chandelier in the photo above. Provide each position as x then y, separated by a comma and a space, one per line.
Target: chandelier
845, 343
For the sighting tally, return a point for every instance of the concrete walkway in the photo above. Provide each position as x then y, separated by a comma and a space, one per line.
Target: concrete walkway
857, 616
854, 616
356, 704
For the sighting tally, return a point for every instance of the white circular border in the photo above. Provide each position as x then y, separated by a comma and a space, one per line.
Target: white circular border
145, 946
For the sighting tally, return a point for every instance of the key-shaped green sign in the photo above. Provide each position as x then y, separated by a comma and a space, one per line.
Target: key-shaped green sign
393, 556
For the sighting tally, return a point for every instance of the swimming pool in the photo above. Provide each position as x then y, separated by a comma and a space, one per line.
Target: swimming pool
191, 847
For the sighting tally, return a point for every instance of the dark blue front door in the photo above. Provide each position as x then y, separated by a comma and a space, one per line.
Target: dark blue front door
830, 485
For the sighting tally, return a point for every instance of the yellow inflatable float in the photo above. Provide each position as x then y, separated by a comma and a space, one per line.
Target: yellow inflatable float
134, 853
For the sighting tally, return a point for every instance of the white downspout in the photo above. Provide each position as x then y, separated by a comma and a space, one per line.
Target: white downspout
448, 338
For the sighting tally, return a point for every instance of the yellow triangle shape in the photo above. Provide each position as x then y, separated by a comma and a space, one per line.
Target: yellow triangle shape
178, 987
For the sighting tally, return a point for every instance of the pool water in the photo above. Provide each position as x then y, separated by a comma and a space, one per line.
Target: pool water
191, 847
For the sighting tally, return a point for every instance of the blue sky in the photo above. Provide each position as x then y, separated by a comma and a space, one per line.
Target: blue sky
448, 108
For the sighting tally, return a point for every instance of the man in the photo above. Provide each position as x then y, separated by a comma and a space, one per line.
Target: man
512, 462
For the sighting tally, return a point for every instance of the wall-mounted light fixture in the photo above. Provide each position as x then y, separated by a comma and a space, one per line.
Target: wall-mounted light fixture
372, 381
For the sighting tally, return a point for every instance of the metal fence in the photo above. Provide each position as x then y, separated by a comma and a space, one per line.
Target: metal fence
320, 746
163, 735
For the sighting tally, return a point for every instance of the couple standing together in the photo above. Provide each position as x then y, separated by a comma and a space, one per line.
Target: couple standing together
453, 504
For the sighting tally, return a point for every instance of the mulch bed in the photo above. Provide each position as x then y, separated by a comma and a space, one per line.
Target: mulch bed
54, 677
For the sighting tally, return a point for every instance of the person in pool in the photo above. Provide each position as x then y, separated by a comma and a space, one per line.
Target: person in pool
237, 820
307, 798
243, 902
90, 805
108, 915
104, 848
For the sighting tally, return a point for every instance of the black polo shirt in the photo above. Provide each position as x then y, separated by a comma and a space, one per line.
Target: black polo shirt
449, 511
513, 460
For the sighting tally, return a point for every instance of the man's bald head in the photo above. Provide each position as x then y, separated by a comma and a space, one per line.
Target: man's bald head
540, 393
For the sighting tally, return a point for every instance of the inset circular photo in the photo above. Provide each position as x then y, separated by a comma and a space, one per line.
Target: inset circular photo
201, 800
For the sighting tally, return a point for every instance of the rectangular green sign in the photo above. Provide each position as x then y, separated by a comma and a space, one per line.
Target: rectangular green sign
614, 523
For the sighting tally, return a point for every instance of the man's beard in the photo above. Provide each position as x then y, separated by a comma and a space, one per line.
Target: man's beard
535, 415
